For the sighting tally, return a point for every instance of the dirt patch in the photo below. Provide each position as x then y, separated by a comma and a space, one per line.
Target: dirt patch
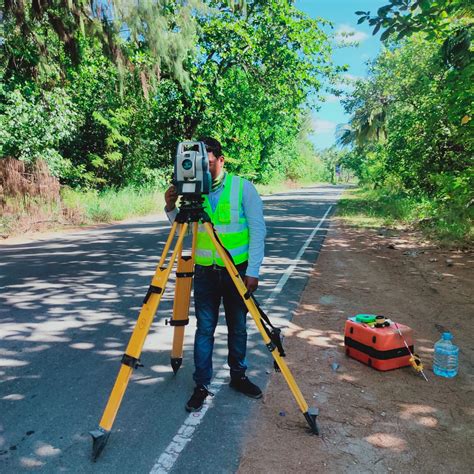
373, 421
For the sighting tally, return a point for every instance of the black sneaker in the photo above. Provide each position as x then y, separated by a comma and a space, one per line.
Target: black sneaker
196, 401
245, 386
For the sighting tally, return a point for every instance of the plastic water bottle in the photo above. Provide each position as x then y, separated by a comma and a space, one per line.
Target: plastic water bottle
445, 363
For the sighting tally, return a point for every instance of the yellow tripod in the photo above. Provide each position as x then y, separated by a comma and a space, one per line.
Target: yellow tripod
191, 212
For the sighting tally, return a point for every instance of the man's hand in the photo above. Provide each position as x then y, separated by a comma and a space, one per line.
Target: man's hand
251, 283
171, 196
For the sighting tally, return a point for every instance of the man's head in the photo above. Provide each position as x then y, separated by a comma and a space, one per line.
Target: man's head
214, 153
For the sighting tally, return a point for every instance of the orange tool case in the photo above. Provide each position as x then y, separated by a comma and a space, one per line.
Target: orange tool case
379, 347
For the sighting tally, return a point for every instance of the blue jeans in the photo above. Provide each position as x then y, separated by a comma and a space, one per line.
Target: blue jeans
211, 286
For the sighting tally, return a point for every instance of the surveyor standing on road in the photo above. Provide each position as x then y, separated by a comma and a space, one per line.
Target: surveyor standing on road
236, 211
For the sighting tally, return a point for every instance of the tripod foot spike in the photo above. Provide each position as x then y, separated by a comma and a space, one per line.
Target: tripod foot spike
99, 440
310, 416
176, 363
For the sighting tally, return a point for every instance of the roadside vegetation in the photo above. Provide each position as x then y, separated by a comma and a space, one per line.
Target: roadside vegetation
379, 208
40, 203
95, 96
410, 138
78, 208
102, 92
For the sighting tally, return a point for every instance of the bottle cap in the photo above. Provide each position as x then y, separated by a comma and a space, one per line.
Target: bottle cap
380, 321
447, 336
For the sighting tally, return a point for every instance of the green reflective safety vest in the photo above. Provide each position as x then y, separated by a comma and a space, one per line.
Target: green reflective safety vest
230, 224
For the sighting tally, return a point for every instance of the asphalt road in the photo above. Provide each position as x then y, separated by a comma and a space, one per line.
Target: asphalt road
67, 309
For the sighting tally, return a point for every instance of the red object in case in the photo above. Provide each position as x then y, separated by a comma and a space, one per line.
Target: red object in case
380, 348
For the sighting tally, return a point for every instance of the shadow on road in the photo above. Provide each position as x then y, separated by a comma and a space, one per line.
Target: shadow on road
67, 309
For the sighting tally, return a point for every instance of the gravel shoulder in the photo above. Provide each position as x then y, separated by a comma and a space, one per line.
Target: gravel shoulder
372, 421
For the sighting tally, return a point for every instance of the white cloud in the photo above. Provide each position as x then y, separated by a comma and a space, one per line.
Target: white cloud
352, 77
323, 126
347, 82
331, 98
348, 33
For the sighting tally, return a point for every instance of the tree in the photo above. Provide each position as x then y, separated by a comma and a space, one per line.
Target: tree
448, 22
255, 72
251, 74
427, 133
166, 29
368, 123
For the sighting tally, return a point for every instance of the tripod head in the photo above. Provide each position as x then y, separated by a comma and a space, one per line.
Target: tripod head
191, 209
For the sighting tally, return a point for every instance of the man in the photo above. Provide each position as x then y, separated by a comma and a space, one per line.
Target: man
236, 210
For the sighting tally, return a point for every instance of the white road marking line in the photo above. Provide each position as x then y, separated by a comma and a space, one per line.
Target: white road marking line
185, 433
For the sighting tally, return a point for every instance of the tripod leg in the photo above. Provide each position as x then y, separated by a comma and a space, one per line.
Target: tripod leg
182, 296
309, 413
131, 358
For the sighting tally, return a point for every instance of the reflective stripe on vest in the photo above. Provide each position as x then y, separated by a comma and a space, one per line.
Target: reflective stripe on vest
230, 224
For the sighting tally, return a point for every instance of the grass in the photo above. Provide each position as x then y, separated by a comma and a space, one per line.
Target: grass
113, 205
77, 208
276, 187
26, 214
447, 223
373, 209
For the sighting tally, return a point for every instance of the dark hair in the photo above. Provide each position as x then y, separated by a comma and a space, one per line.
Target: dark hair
212, 145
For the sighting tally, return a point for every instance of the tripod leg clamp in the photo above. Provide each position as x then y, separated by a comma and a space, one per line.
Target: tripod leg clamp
177, 322
270, 346
132, 362
184, 274
152, 289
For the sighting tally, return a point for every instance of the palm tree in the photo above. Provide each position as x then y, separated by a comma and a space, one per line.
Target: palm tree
345, 135
368, 124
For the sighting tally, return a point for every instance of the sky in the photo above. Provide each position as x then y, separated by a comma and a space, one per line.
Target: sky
342, 14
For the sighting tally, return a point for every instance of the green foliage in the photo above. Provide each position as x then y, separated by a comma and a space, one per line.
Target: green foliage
405, 17
33, 124
39, 31
254, 76
308, 167
332, 158
450, 225
419, 95
427, 119
244, 73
